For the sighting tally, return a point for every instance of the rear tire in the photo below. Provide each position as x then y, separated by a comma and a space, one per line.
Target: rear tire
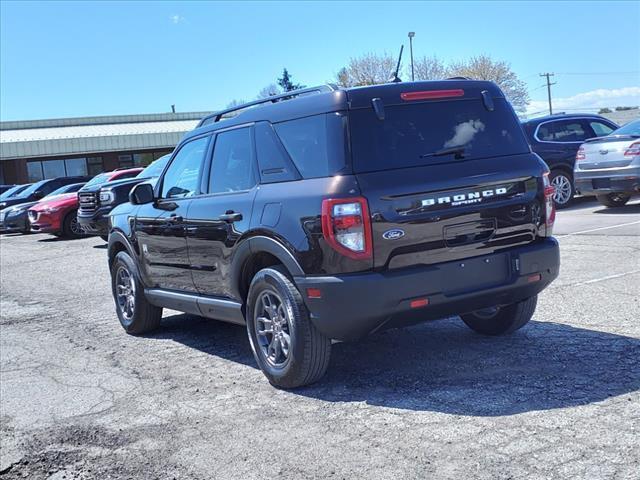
501, 320
563, 183
286, 345
136, 314
70, 226
614, 199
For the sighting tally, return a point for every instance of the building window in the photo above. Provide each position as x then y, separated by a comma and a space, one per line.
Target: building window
94, 166
142, 159
125, 161
157, 155
69, 167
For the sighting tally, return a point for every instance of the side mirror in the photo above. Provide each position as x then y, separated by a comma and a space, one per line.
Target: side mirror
38, 194
141, 194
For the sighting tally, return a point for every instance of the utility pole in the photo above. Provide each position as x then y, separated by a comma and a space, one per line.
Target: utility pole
411, 35
549, 89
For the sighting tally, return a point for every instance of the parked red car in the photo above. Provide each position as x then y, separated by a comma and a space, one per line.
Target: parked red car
58, 215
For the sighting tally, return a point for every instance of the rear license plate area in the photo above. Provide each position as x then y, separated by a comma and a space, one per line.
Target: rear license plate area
601, 183
474, 274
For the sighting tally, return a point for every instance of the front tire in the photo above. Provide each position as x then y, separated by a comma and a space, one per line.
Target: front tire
71, 227
614, 199
501, 320
136, 314
563, 184
286, 345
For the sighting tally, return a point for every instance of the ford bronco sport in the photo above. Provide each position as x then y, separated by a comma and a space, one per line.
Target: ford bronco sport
332, 213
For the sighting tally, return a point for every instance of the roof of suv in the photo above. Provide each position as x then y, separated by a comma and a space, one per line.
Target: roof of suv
562, 116
318, 100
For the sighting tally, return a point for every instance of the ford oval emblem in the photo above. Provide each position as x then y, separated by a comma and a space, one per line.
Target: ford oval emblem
393, 234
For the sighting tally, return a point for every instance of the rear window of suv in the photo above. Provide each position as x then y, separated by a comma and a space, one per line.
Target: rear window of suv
411, 134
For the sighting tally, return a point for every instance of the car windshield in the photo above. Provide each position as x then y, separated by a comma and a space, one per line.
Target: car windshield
74, 187
413, 135
155, 168
30, 189
13, 191
631, 128
97, 180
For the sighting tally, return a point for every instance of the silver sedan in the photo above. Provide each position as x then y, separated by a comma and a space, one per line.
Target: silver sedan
609, 167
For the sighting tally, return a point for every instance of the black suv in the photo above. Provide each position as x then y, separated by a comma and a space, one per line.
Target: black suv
556, 138
96, 201
333, 213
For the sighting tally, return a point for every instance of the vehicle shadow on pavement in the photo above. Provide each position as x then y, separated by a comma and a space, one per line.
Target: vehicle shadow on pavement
626, 210
442, 366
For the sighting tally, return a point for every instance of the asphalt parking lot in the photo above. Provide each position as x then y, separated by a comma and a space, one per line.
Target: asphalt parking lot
558, 399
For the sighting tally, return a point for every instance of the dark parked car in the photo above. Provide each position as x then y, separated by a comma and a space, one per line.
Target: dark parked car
13, 191
556, 138
4, 188
97, 201
16, 219
333, 213
39, 190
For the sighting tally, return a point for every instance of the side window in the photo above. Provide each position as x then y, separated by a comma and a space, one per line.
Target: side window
600, 129
232, 163
181, 178
546, 132
273, 161
570, 131
315, 144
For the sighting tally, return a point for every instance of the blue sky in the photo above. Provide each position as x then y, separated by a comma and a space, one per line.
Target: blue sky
61, 59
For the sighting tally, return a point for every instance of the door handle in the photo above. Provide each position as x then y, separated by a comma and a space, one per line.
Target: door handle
175, 219
230, 216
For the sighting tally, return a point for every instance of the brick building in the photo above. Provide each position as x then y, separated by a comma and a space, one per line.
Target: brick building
33, 150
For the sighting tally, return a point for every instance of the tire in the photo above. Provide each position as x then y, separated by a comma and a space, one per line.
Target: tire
307, 357
139, 317
614, 199
562, 181
105, 237
70, 226
501, 320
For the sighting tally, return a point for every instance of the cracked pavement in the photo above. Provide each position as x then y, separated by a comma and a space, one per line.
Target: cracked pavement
80, 399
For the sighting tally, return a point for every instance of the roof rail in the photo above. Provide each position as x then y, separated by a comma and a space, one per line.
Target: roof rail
217, 116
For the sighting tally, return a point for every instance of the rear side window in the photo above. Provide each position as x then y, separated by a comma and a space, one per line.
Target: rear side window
600, 129
273, 160
562, 131
232, 164
316, 144
413, 135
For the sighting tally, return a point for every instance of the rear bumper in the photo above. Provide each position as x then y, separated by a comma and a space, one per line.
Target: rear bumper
96, 223
624, 180
355, 305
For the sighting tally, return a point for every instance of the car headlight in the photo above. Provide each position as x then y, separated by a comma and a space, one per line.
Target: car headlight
106, 197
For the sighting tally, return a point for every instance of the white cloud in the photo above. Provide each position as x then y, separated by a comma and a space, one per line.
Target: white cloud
595, 99
175, 19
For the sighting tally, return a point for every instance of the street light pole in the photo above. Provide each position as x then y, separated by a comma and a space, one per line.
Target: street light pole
411, 35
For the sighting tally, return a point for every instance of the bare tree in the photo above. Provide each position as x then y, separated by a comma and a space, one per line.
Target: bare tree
269, 91
430, 68
235, 103
483, 67
369, 69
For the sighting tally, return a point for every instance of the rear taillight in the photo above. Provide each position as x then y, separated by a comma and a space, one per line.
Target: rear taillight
346, 226
580, 154
549, 207
633, 150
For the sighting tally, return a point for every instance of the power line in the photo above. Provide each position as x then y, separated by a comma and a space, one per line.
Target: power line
548, 75
632, 72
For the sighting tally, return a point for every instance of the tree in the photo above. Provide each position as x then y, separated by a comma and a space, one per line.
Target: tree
429, 68
369, 69
286, 84
269, 91
604, 110
235, 103
483, 67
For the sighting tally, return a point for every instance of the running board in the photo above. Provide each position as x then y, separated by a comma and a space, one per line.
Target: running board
215, 308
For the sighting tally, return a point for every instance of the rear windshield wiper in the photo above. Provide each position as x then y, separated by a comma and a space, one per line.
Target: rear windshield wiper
457, 152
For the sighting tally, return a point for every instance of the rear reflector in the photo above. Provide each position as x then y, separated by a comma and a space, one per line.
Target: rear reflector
534, 278
421, 302
431, 94
314, 293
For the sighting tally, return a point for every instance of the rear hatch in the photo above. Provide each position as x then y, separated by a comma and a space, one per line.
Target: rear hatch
446, 171
605, 152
